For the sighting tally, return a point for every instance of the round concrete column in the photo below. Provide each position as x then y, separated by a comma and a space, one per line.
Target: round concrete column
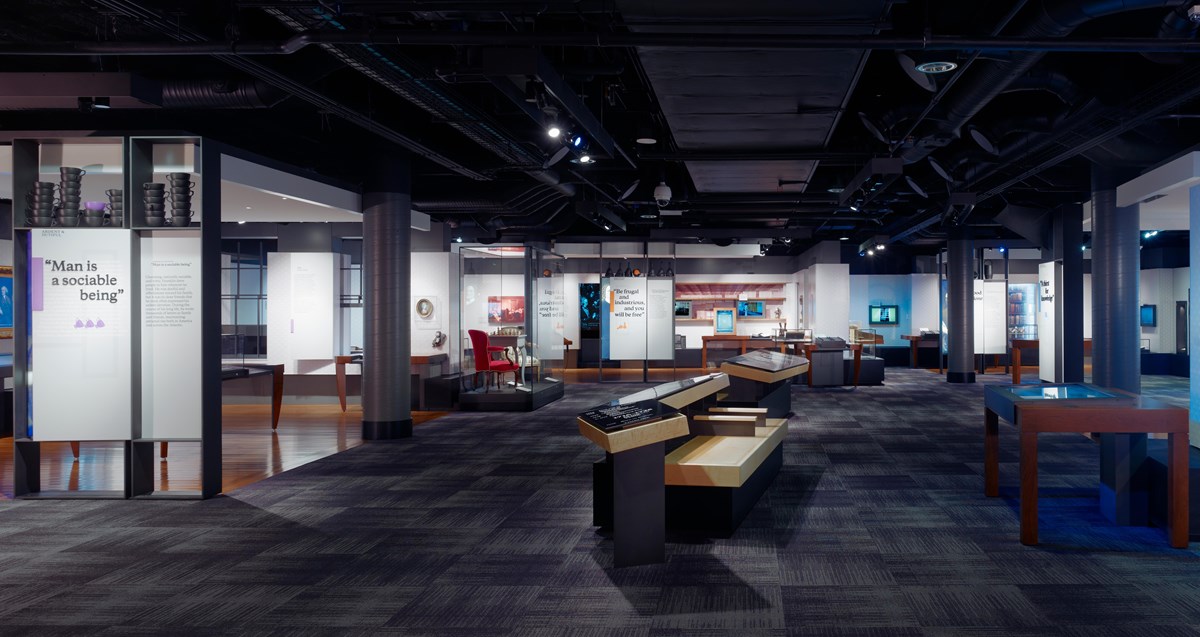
960, 309
387, 220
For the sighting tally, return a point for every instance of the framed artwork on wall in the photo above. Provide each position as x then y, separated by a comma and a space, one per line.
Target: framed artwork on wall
503, 310
6, 301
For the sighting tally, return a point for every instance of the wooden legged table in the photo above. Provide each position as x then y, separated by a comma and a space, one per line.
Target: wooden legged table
422, 364
1139, 415
276, 372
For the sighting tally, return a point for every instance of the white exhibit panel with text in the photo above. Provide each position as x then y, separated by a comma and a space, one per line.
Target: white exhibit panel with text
80, 365
171, 335
303, 310
637, 318
1047, 275
991, 317
550, 323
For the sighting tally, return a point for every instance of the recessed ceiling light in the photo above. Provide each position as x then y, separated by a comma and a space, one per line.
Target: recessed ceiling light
937, 66
649, 215
646, 141
836, 190
283, 198
845, 239
585, 159
248, 208
242, 222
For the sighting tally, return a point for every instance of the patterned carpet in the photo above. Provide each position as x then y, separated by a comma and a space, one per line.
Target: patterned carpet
480, 525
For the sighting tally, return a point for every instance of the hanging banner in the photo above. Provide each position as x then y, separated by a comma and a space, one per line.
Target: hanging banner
1045, 321
551, 318
80, 362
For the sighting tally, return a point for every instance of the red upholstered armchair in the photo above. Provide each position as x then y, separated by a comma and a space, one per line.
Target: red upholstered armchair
484, 361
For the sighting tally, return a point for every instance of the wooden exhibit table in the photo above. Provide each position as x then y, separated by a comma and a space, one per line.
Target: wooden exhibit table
1080, 408
422, 364
1018, 345
741, 340
916, 341
237, 372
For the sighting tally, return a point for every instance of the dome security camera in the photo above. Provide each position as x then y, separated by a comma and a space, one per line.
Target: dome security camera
662, 194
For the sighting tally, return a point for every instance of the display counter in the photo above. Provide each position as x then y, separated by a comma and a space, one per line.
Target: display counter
1087, 409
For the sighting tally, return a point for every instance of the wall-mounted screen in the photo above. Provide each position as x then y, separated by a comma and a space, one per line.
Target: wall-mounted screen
885, 315
1149, 315
751, 309
683, 309
724, 321
589, 310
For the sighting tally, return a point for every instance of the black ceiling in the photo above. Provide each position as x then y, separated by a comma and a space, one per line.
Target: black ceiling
762, 110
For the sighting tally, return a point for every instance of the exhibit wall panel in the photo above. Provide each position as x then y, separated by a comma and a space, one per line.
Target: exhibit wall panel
171, 335
303, 311
924, 313
1087, 305
1047, 339
831, 304
430, 279
80, 335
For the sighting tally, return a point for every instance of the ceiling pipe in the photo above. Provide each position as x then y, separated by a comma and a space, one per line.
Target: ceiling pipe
1175, 25
1032, 46
210, 94
1055, 19
152, 20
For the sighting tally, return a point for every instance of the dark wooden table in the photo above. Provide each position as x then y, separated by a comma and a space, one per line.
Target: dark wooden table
421, 363
1123, 413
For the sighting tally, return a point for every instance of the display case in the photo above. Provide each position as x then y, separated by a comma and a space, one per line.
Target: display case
512, 320
1022, 312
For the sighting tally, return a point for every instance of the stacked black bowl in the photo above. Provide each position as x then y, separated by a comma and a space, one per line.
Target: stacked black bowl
181, 198
116, 206
70, 195
154, 196
40, 204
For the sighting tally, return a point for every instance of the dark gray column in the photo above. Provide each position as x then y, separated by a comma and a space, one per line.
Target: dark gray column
387, 220
960, 311
1116, 360
1068, 242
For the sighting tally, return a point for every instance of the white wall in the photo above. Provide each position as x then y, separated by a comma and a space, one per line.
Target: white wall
830, 314
882, 289
924, 313
430, 278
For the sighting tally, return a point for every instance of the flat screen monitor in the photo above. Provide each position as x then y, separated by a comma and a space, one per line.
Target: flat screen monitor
683, 309
589, 310
1149, 315
750, 308
885, 315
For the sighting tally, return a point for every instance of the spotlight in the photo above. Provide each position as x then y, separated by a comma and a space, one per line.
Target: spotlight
862, 254
458, 239
585, 159
1002, 250
1083, 248
936, 66
242, 222
853, 207
871, 252
844, 239
880, 247
554, 131
577, 141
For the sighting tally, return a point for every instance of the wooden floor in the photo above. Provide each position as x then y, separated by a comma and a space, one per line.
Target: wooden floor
251, 452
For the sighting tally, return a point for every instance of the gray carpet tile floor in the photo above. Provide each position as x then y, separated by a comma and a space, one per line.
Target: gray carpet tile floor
481, 525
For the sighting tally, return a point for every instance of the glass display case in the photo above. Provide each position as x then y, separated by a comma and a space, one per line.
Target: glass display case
512, 314
1022, 312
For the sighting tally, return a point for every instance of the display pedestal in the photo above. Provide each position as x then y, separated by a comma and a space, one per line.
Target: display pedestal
630, 487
